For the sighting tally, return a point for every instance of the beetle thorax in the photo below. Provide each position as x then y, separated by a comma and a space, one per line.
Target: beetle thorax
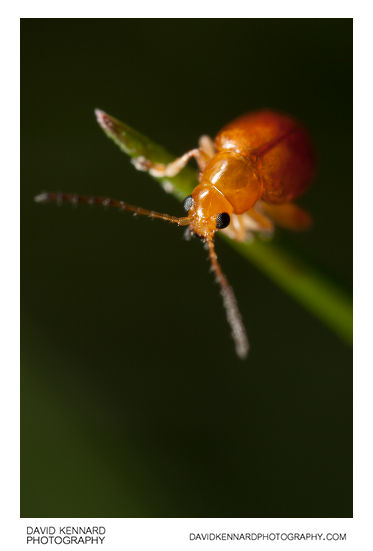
235, 177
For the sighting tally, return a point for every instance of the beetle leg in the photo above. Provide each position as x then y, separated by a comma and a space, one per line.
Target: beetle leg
257, 221
236, 229
242, 226
171, 169
206, 144
287, 215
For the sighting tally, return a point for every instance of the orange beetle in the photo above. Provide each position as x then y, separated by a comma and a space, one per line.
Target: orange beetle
248, 177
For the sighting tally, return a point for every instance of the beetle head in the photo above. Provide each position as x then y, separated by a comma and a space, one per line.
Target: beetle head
208, 211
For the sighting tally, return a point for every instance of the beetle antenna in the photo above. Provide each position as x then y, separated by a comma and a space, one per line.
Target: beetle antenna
75, 199
234, 318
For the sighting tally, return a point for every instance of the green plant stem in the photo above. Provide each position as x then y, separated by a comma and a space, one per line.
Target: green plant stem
309, 287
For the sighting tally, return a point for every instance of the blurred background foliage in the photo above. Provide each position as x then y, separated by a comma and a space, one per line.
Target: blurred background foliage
133, 403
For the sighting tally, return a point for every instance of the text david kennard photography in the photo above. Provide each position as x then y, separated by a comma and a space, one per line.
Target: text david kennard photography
66, 534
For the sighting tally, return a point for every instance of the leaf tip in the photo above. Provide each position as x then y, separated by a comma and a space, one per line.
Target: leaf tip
41, 198
103, 119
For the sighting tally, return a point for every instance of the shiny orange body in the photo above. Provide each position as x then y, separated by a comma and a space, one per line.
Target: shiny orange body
277, 147
263, 156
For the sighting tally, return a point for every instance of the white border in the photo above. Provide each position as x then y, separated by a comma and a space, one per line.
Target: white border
167, 534
190, 8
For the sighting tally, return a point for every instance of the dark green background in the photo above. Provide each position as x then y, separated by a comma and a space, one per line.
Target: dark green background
133, 403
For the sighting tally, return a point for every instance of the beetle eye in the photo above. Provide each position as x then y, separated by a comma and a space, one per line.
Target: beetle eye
188, 203
222, 220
